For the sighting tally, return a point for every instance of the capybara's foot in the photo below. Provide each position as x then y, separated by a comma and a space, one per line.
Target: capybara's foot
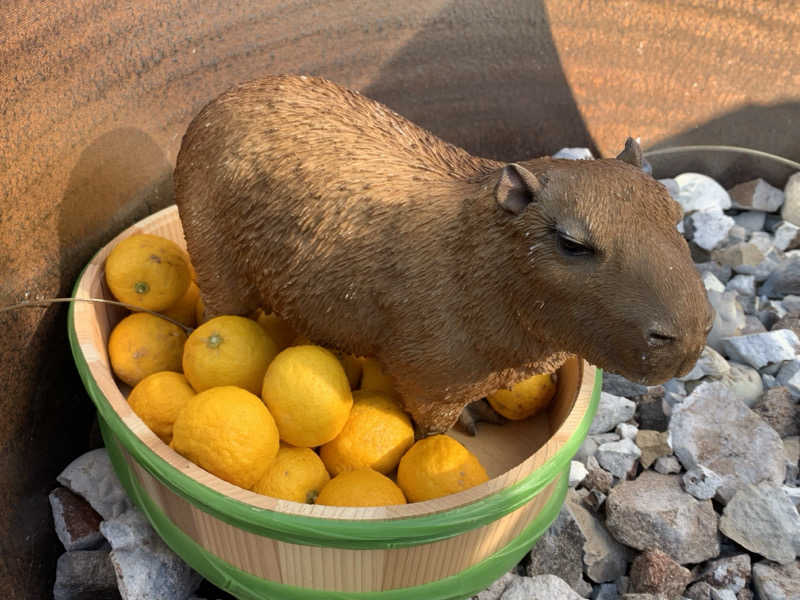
476, 412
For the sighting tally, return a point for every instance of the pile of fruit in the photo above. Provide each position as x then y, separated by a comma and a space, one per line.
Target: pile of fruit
260, 407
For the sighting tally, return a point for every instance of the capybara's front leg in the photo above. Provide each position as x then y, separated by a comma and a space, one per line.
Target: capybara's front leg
431, 416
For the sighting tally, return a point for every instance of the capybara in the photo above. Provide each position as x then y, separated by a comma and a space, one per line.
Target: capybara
460, 274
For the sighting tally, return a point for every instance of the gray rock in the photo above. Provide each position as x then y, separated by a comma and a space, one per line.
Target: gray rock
559, 551
77, 524
574, 154
611, 411
756, 195
495, 591
763, 240
541, 587
791, 204
604, 558
700, 192
720, 271
626, 430
787, 236
92, 477
588, 448
722, 594
789, 377
577, 473
724, 435
753, 324
784, 279
728, 317
769, 381
699, 591
793, 493
654, 572
742, 382
654, 512
700, 482
741, 257
595, 500
711, 227
617, 385
146, 568
604, 438
730, 572
644, 597
672, 186
762, 519
618, 458
710, 364
789, 322
769, 311
650, 412
792, 304
777, 582
779, 411
710, 281
791, 448
736, 234
597, 478
85, 575
761, 349
751, 220
605, 591
667, 465
744, 285
653, 445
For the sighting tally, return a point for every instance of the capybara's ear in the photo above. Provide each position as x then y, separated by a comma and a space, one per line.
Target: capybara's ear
516, 188
632, 154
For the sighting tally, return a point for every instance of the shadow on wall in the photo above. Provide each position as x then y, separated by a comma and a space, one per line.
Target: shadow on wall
769, 128
498, 93
119, 178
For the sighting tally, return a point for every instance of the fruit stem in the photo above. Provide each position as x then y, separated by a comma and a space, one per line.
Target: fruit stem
141, 287
214, 340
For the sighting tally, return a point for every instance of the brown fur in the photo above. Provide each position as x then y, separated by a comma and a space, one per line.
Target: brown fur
370, 235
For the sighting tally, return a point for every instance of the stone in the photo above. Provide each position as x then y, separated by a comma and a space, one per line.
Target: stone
577, 473
724, 435
779, 411
741, 257
769, 381
667, 465
77, 524
644, 597
787, 236
604, 438
587, 449
495, 591
605, 591
772, 222
700, 482
742, 382
711, 227
653, 445
604, 558
722, 594
763, 240
146, 567
792, 304
626, 430
700, 192
559, 551
597, 478
784, 279
541, 587
728, 317
761, 349
791, 448
793, 493
92, 477
730, 572
777, 582
654, 512
791, 203
710, 282
594, 500
790, 321
650, 413
617, 385
769, 311
699, 591
752, 324
574, 154
751, 220
745, 594
85, 575
762, 519
611, 411
672, 186
618, 458
744, 285
756, 195
736, 234
789, 377
654, 572
710, 364
720, 271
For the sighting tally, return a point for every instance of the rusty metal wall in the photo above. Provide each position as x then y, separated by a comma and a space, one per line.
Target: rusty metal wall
94, 98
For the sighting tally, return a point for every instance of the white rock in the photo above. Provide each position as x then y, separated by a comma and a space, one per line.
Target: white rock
92, 476
785, 235
495, 591
611, 411
793, 493
752, 324
723, 594
756, 195
751, 220
574, 154
720, 271
700, 192
791, 205
742, 382
768, 381
729, 319
761, 349
672, 187
763, 241
541, 587
626, 430
789, 376
776, 582
736, 234
700, 482
604, 558
711, 363
577, 473
667, 465
619, 457
742, 284
791, 303
710, 282
711, 226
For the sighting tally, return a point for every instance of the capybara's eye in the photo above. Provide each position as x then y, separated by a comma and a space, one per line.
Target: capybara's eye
569, 246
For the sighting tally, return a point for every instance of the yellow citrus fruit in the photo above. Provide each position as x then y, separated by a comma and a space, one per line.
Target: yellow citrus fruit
352, 368
142, 344
307, 392
376, 435
158, 398
373, 378
278, 329
436, 466
228, 432
184, 310
525, 398
147, 271
361, 488
228, 350
296, 474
